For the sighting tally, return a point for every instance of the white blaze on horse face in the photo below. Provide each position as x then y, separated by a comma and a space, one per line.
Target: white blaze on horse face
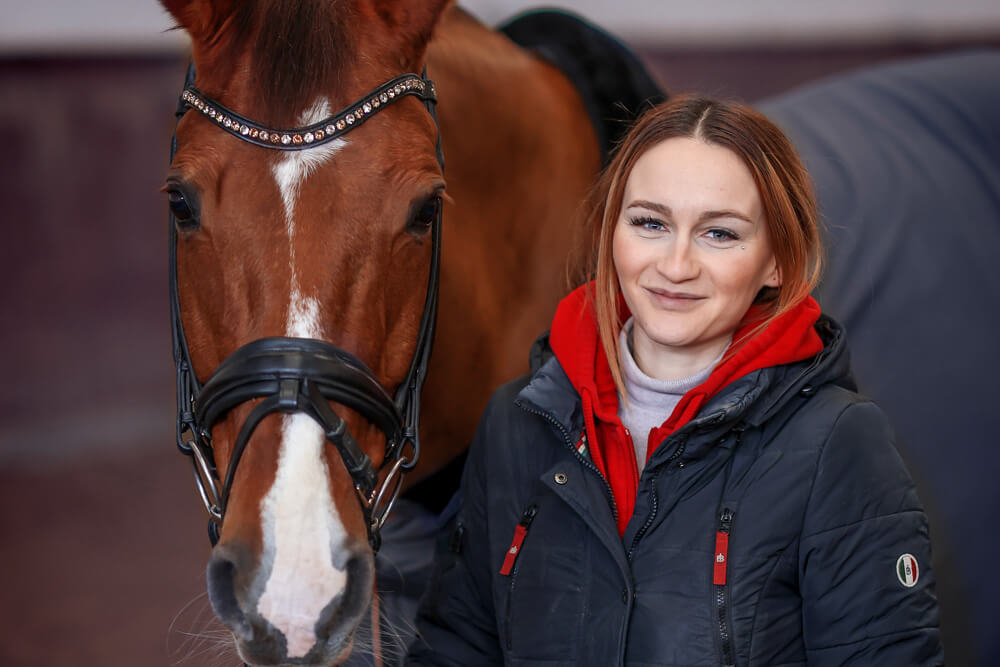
300, 527
300, 524
296, 166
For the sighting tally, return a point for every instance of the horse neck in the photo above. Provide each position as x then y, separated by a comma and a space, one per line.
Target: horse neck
517, 140
520, 154
496, 98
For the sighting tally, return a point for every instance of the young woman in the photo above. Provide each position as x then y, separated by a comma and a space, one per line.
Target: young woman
688, 477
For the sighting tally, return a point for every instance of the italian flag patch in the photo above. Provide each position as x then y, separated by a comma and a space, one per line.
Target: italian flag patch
907, 570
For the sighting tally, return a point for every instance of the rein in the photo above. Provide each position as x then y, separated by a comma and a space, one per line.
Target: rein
300, 375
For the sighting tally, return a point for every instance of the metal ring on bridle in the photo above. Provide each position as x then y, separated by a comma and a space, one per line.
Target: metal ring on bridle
378, 517
204, 477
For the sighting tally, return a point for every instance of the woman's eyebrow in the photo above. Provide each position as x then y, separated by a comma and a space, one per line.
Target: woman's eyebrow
665, 210
652, 206
726, 213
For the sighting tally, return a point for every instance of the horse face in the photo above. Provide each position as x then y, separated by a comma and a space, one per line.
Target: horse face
333, 243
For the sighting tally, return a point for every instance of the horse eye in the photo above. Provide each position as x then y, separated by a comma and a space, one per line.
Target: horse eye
184, 214
426, 215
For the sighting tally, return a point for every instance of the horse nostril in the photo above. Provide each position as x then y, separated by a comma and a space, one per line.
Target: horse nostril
221, 575
340, 617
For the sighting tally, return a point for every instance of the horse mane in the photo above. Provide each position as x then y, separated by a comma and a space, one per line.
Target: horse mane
295, 49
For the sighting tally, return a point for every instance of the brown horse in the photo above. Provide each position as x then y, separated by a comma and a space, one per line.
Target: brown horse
333, 243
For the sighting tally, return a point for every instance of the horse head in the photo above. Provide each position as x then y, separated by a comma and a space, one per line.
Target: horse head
305, 196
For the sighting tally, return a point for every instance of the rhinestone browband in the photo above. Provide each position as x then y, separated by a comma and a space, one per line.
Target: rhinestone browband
318, 133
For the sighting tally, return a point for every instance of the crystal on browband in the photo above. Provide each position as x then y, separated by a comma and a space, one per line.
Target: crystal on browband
318, 133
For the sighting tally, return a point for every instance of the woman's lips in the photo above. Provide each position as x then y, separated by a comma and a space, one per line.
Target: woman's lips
670, 299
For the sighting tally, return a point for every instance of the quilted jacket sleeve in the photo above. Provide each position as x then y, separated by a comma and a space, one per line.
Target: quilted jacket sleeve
456, 623
864, 560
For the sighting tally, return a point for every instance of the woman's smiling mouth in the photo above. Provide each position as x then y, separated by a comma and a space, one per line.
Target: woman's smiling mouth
673, 300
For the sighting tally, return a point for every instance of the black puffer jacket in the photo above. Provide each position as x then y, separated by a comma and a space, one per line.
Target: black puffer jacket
827, 562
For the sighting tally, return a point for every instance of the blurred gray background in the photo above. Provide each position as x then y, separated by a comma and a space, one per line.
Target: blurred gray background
102, 541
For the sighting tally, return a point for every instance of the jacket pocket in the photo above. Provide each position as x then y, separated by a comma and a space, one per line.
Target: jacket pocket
720, 586
541, 603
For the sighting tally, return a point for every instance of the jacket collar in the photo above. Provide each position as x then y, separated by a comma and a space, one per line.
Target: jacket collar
551, 392
750, 399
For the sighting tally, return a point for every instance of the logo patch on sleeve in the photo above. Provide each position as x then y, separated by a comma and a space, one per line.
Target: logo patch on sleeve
907, 570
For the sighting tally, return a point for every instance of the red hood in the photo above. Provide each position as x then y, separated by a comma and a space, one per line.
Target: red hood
575, 342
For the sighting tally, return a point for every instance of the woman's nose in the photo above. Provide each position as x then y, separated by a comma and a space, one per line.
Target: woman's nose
678, 263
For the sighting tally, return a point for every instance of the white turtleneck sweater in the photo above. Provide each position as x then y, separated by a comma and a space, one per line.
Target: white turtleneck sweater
650, 401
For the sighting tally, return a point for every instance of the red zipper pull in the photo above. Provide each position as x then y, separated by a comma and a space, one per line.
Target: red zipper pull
722, 548
520, 532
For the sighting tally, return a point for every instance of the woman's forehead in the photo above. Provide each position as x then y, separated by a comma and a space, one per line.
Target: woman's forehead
683, 173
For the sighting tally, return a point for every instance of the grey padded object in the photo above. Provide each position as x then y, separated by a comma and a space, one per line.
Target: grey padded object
906, 162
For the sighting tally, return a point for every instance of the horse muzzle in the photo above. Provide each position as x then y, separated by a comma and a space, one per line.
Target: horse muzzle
235, 592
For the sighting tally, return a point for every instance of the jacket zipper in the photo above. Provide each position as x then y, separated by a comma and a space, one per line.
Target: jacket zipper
649, 520
510, 562
652, 485
520, 532
656, 499
586, 462
719, 574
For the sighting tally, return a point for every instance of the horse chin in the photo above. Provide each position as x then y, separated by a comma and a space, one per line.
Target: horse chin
260, 644
336, 656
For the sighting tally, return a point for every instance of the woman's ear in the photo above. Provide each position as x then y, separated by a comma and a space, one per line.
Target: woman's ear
773, 276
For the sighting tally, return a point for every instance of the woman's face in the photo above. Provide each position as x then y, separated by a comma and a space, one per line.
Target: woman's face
691, 250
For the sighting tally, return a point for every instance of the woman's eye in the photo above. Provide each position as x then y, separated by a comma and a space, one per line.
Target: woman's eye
722, 235
184, 214
426, 215
645, 222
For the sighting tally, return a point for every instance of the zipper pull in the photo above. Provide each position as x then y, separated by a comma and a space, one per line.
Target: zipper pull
457, 538
722, 547
520, 532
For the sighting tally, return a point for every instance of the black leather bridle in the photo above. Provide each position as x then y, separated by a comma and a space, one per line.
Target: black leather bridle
293, 375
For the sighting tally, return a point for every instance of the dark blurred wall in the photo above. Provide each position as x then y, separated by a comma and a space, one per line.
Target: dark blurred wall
100, 539
84, 338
